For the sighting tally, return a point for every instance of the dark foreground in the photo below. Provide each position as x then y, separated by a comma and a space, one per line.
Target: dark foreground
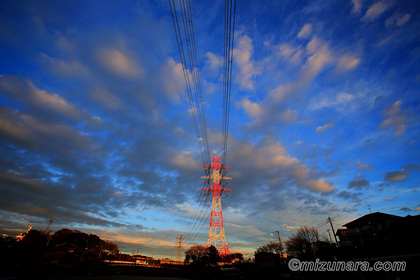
244, 271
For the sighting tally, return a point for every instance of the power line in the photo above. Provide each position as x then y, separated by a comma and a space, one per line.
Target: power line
197, 221
189, 59
326, 221
229, 35
205, 218
399, 206
188, 53
185, 36
194, 216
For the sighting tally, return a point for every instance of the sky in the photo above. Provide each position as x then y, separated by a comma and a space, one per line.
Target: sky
96, 131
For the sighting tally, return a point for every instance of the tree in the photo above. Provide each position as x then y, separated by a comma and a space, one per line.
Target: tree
110, 248
213, 254
300, 241
32, 245
271, 247
83, 244
199, 254
195, 253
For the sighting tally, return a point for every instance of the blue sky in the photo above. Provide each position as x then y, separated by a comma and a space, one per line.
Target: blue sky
96, 131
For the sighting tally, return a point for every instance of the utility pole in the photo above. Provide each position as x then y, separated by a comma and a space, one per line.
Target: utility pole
281, 246
48, 232
48, 227
217, 230
335, 237
329, 234
178, 255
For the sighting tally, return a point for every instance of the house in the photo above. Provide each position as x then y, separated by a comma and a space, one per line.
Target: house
382, 234
372, 228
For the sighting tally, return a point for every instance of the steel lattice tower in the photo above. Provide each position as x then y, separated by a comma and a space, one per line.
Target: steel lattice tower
179, 246
216, 230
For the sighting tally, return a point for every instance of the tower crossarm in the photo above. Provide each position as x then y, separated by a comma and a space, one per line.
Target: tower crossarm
226, 179
219, 190
206, 179
206, 169
226, 191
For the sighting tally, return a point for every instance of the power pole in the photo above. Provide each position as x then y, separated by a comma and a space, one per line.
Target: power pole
335, 237
329, 234
49, 223
48, 232
179, 246
217, 230
281, 246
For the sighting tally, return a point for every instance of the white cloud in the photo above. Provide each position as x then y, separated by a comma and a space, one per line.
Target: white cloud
185, 161
336, 101
174, 82
357, 6
363, 166
347, 62
273, 163
53, 102
319, 185
253, 109
305, 31
324, 127
290, 227
275, 155
66, 44
214, 62
397, 19
246, 65
119, 62
403, 20
395, 118
27, 92
320, 57
66, 68
376, 10
108, 99
40, 135
394, 176
289, 52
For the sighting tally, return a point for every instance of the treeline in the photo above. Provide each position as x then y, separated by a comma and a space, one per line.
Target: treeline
297, 245
64, 248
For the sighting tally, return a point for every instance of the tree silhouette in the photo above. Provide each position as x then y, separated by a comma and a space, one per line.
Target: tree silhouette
195, 253
200, 255
271, 247
300, 241
213, 255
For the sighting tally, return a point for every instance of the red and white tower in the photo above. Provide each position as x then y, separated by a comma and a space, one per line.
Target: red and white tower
216, 230
179, 246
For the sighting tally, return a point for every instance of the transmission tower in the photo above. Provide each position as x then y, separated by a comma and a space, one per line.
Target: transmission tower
179, 246
217, 230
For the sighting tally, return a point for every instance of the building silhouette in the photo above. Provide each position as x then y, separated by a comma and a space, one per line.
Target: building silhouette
380, 234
